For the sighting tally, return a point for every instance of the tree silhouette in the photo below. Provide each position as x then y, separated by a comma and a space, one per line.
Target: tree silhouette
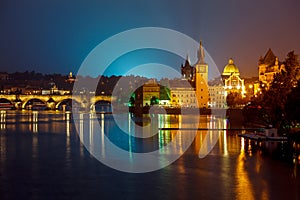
131, 101
234, 99
275, 98
154, 100
292, 106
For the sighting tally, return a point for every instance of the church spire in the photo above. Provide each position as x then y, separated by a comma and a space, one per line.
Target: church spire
201, 54
188, 59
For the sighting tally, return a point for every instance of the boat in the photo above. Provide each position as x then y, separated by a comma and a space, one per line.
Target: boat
253, 136
6, 106
267, 134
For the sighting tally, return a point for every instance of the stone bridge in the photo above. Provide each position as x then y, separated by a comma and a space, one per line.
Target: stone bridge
54, 101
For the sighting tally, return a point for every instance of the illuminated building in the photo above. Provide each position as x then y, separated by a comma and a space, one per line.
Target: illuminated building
164, 99
32, 90
268, 66
201, 79
144, 93
217, 96
194, 94
182, 94
251, 86
188, 72
232, 80
70, 78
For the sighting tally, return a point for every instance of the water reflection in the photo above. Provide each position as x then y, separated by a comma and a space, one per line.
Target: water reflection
35, 121
2, 119
165, 142
67, 119
102, 136
204, 142
236, 167
244, 187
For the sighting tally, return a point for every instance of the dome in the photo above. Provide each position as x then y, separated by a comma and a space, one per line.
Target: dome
230, 68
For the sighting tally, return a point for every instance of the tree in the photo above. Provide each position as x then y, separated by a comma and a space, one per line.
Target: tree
131, 101
154, 100
292, 67
276, 97
292, 106
234, 99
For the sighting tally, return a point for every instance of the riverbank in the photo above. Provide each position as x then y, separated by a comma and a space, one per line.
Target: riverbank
235, 116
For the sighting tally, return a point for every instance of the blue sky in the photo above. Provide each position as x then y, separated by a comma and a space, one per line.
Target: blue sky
55, 36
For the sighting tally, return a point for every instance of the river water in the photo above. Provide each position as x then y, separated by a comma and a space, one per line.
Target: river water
42, 157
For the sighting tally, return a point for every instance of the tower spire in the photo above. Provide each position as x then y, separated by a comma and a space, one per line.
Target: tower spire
188, 58
201, 54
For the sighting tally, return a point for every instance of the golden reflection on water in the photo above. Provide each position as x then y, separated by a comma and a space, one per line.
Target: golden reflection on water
92, 117
2, 120
102, 135
66, 118
228, 144
2, 149
34, 121
244, 187
225, 143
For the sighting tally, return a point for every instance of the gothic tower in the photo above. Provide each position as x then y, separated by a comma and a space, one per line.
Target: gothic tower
188, 72
202, 79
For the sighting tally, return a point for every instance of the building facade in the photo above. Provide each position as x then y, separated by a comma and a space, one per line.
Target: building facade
145, 93
232, 80
188, 72
192, 90
217, 96
182, 94
201, 83
268, 66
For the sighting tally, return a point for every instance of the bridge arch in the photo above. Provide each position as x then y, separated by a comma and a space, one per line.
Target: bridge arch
25, 102
102, 101
101, 105
54, 101
69, 99
101, 98
6, 104
5, 100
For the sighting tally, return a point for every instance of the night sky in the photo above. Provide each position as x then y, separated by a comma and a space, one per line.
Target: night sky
55, 36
